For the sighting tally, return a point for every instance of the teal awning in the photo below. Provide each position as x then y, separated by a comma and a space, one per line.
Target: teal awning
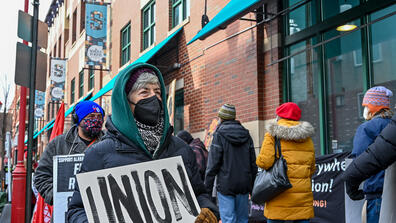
109, 86
234, 10
143, 59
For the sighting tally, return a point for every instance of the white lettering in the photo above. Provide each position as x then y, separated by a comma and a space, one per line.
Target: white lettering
334, 165
72, 182
77, 167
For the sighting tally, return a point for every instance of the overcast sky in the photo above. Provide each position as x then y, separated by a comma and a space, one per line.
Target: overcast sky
8, 39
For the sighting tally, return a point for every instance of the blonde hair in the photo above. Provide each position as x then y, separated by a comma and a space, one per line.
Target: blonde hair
383, 113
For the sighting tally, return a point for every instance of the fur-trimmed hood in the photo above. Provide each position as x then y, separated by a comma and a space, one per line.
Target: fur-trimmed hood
290, 130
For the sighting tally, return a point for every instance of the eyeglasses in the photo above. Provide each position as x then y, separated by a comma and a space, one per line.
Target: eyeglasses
93, 116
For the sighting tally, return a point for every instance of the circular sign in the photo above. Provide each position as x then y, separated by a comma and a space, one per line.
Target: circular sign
39, 112
58, 73
57, 92
95, 53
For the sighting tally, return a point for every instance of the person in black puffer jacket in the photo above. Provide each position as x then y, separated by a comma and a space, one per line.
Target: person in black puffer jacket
139, 131
233, 159
378, 156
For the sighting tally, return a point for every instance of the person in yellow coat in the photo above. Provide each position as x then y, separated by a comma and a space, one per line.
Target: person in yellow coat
294, 204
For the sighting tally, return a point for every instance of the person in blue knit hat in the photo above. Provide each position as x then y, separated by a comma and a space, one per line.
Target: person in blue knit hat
87, 121
377, 113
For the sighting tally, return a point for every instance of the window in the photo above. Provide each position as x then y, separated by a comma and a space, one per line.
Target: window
82, 16
48, 111
125, 44
81, 84
303, 84
66, 31
59, 46
179, 111
383, 46
301, 17
328, 81
148, 25
180, 11
74, 29
72, 90
91, 82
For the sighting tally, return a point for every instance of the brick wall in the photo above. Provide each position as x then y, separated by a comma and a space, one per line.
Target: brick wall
232, 71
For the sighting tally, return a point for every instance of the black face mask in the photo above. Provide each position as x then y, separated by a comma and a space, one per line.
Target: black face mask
148, 110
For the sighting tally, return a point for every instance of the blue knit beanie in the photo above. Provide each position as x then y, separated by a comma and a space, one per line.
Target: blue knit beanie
85, 108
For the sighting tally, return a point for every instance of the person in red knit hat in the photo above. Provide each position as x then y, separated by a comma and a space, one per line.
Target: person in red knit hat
294, 204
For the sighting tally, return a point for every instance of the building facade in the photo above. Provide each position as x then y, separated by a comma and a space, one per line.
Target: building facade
286, 50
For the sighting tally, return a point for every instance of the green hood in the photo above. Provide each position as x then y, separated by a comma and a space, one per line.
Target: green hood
122, 116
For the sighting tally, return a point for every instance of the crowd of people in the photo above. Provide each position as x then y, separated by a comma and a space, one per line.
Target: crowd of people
138, 130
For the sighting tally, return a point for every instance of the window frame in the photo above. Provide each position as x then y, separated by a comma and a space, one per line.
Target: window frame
125, 47
91, 78
362, 12
185, 11
82, 16
81, 83
72, 90
74, 26
150, 8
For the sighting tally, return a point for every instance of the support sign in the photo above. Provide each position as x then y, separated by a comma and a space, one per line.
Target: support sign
156, 191
65, 169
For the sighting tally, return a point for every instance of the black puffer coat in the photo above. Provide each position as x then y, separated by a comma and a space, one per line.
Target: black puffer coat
232, 158
377, 157
117, 150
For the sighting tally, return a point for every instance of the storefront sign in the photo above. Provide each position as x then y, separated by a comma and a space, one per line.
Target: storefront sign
155, 191
58, 76
96, 34
65, 170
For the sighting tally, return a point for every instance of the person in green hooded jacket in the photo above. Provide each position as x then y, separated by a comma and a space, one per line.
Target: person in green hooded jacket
138, 130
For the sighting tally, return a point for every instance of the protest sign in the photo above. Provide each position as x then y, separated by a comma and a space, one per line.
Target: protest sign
65, 169
155, 191
328, 188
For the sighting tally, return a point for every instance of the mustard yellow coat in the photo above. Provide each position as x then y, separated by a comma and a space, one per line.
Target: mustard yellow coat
297, 148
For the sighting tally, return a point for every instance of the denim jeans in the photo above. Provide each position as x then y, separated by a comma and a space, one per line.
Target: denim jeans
234, 209
373, 210
282, 221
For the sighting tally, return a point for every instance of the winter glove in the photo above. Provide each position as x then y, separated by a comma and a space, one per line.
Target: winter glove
206, 216
353, 191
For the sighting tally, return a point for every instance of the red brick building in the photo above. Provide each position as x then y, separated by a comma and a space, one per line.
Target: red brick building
276, 51
227, 67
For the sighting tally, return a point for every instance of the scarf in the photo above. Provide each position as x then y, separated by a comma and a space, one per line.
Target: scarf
151, 135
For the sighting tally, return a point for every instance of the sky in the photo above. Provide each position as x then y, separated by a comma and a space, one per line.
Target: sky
8, 40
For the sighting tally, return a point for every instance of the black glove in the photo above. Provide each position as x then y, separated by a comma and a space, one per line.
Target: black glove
353, 191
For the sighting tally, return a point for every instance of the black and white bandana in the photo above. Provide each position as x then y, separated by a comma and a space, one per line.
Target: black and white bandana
151, 135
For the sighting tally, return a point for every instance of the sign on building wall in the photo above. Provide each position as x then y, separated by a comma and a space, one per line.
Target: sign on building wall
39, 107
58, 76
170, 103
96, 34
155, 191
65, 169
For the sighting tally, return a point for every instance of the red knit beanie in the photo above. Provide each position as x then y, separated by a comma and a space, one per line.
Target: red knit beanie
289, 110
